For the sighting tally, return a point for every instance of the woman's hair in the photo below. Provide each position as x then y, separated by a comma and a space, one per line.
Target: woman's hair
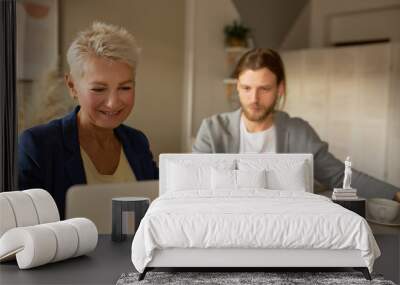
102, 40
260, 58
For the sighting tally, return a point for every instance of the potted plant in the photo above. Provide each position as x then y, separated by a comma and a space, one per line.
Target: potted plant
236, 35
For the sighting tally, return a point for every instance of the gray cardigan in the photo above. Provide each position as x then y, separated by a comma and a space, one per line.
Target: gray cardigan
221, 134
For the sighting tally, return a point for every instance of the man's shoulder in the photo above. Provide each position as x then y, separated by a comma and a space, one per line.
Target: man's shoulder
282, 118
222, 119
291, 123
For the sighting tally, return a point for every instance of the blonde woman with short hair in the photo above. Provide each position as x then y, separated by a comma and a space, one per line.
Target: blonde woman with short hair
90, 145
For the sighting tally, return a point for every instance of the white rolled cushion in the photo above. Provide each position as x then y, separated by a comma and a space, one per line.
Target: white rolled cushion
7, 218
223, 179
23, 208
33, 246
282, 174
67, 240
251, 178
45, 206
87, 234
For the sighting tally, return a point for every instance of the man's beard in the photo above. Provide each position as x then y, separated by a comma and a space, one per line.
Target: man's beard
261, 115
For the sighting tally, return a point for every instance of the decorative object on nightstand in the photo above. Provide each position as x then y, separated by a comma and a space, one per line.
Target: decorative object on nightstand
122, 206
346, 192
347, 196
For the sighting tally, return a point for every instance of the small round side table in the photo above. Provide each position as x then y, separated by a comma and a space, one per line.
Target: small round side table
138, 205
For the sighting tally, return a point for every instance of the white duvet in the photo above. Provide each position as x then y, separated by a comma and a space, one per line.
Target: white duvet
250, 219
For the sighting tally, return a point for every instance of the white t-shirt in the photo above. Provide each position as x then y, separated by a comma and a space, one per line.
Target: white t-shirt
258, 142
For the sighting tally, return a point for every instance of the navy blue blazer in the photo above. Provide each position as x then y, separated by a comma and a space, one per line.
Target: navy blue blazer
49, 157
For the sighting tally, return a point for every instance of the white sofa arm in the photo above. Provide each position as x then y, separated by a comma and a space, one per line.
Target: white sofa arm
33, 246
26, 208
40, 244
45, 205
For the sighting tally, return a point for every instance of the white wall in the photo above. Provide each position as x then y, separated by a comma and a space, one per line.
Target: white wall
324, 11
298, 36
350, 96
323, 22
393, 128
209, 59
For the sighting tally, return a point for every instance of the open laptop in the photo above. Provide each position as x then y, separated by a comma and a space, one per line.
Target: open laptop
94, 201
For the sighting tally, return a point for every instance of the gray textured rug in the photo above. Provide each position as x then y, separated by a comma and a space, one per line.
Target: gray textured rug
229, 278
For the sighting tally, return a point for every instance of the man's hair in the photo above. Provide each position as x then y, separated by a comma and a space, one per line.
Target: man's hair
260, 58
102, 40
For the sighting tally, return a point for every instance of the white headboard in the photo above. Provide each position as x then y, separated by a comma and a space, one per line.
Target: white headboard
165, 158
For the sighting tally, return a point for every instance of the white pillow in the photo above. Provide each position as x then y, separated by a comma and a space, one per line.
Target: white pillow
223, 179
236, 179
282, 174
290, 179
188, 174
183, 178
251, 178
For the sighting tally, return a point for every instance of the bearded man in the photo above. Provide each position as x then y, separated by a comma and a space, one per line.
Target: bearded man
257, 127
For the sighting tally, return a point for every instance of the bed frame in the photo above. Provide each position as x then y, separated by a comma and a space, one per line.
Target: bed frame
250, 258
247, 259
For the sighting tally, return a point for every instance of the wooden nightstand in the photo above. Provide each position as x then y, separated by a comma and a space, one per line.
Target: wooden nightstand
357, 206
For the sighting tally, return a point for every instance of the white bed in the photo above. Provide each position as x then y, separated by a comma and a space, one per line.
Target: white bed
227, 218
